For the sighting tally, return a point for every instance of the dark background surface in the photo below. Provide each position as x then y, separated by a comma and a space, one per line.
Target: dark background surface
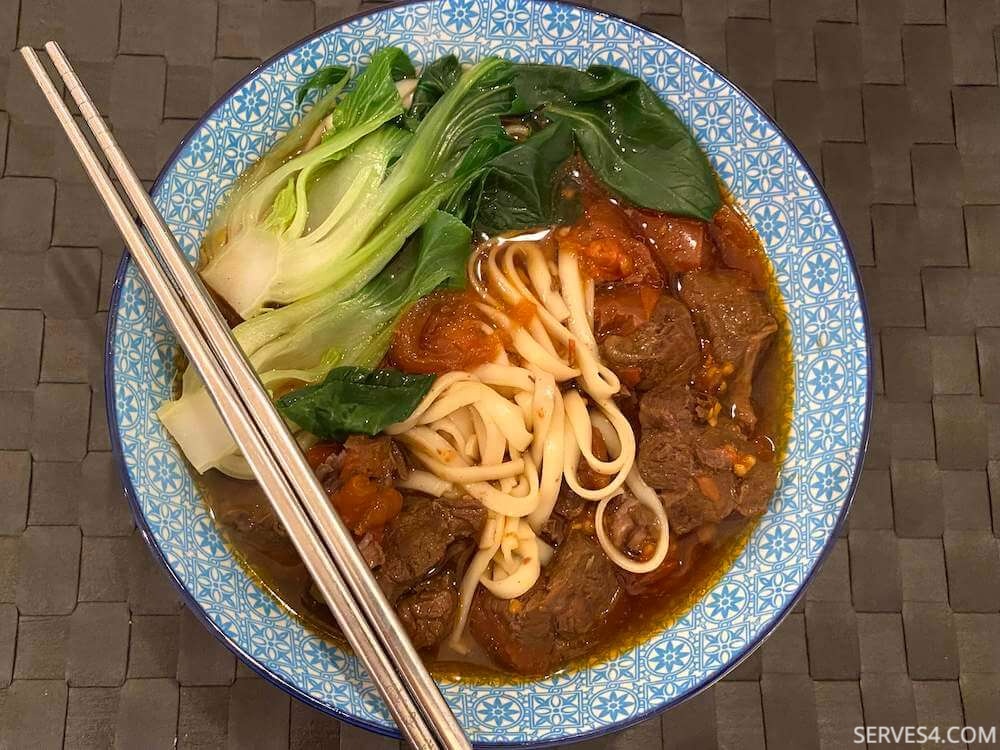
895, 104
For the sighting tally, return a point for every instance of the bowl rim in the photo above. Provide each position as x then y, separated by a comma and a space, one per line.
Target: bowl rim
293, 690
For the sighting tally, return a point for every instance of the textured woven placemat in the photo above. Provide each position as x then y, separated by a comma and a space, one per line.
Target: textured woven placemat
894, 102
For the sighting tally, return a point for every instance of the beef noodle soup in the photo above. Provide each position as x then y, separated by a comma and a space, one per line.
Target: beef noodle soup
692, 330
551, 416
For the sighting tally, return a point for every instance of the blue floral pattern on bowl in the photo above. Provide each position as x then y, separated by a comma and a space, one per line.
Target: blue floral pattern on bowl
816, 276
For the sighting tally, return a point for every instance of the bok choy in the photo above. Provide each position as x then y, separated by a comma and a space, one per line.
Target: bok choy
299, 344
284, 246
632, 140
355, 400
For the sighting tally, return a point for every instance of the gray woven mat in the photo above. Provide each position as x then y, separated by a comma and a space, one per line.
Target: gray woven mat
894, 102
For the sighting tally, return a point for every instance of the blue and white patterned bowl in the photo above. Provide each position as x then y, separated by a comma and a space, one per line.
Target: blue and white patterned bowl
816, 275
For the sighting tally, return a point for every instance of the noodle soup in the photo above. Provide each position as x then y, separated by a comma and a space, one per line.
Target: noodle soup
551, 415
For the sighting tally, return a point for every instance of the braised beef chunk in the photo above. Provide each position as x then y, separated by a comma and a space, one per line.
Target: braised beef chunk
257, 527
620, 309
664, 350
727, 310
568, 508
359, 478
328, 472
665, 458
717, 449
371, 550
428, 610
741, 384
734, 317
576, 599
379, 459
583, 590
554, 530
702, 472
738, 246
667, 408
756, 489
678, 244
632, 527
692, 493
569, 505
422, 536
708, 498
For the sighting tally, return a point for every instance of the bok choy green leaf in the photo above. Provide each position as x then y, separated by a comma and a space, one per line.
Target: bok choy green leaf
519, 188
631, 139
435, 79
321, 80
355, 400
540, 85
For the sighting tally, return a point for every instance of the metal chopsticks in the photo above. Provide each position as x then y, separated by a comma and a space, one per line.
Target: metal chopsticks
325, 545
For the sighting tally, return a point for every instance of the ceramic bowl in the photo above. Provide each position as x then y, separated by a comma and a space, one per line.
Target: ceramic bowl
832, 376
